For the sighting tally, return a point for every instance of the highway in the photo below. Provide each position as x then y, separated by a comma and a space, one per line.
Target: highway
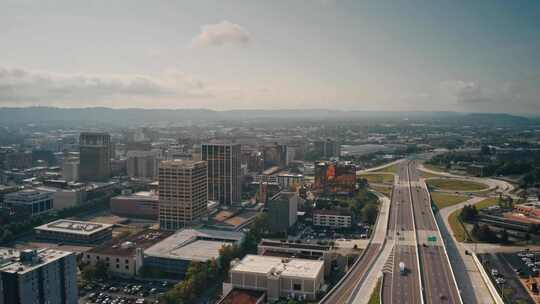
342, 292
437, 277
400, 288
345, 289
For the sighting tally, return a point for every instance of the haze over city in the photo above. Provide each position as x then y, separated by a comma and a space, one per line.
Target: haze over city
479, 56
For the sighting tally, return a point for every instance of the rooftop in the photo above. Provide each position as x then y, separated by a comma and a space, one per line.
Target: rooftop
146, 195
126, 246
242, 296
194, 244
297, 268
181, 163
75, 227
280, 244
42, 257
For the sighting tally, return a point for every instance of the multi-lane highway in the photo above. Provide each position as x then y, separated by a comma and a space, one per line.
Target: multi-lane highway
437, 277
413, 235
402, 288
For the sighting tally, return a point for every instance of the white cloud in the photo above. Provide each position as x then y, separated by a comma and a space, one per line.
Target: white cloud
516, 96
46, 88
221, 33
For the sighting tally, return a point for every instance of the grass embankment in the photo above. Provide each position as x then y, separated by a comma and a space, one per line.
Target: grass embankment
488, 202
458, 228
456, 184
434, 168
378, 178
390, 169
443, 200
384, 190
375, 297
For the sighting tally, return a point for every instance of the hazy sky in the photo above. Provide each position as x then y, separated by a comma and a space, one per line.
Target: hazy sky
269, 54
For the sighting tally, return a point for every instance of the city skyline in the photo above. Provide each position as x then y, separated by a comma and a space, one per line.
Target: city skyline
348, 55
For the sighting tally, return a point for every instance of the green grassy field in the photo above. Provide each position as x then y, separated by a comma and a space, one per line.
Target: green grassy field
428, 174
487, 203
378, 178
434, 168
389, 169
455, 185
375, 297
443, 200
384, 190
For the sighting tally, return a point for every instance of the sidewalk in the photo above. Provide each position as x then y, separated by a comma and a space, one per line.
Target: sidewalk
361, 295
470, 282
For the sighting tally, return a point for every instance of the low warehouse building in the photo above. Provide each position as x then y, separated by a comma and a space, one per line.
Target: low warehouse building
279, 277
69, 231
173, 254
125, 256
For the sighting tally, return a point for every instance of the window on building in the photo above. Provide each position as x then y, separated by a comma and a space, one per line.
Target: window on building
297, 286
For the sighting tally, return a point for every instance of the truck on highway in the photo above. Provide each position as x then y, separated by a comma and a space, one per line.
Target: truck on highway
402, 268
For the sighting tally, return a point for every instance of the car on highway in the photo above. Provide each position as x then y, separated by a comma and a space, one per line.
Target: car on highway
402, 268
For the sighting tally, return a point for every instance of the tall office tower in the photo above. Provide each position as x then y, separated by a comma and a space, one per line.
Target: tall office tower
142, 164
38, 276
95, 156
183, 195
282, 211
224, 172
327, 148
70, 169
275, 155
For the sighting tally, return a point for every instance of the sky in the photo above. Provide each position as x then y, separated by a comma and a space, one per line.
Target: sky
468, 56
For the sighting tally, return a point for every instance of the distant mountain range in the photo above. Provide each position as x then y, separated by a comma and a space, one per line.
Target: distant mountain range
132, 116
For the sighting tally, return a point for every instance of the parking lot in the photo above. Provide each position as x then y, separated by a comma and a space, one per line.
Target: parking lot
505, 270
122, 292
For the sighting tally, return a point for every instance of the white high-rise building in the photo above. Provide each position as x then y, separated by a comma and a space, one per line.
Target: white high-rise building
70, 170
142, 164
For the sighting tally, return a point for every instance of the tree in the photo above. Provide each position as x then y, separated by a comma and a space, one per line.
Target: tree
468, 213
89, 273
369, 214
504, 236
102, 271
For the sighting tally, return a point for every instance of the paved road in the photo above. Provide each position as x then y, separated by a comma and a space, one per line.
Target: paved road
343, 292
369, 282
400, 288
470, 282
437, 277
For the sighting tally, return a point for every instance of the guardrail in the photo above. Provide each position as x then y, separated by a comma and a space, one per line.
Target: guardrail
381, 289
444, 245
492, 289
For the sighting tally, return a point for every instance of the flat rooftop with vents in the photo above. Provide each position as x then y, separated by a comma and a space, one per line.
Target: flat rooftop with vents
174, 253
74, 231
